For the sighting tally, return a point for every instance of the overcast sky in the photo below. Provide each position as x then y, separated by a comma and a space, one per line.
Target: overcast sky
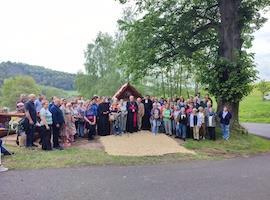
54, 33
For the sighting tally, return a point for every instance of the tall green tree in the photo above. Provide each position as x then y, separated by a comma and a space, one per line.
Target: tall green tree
211, 35
103, 75
13, 87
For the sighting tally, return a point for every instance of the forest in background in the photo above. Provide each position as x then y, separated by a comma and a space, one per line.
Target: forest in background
41, 75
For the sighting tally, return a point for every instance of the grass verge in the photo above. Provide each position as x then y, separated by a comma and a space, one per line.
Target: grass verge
238, 145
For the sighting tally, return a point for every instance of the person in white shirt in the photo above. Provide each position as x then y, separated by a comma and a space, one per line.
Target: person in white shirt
201, 121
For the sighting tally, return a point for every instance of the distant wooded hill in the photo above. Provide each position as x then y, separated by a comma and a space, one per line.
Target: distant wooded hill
42, 76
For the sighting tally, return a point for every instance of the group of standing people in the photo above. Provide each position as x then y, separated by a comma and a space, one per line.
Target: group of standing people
65, 120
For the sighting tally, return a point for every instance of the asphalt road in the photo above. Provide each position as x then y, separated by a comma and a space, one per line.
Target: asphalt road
236, 179
259, 129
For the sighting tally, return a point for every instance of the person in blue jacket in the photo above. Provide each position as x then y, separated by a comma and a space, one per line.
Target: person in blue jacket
58, 122
225, 117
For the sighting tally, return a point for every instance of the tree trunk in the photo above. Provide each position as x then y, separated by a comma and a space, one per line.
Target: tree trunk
230, 44
162, 84
180, 80
196, 88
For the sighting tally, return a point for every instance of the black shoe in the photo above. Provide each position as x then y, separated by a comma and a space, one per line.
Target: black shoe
34, 145
59, 148
7, 153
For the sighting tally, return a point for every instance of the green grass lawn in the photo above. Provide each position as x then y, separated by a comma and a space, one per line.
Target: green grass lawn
254, 109
239, 145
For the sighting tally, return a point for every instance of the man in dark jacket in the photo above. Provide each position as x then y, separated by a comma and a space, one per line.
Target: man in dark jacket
58, 122
225, 117
148, 105
31, 115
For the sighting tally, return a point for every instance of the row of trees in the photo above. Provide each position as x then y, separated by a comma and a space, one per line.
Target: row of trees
173, 45
14, 87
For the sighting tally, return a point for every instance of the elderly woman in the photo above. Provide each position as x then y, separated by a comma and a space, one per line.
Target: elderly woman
46, 126
123, 116
155, 119
167, 115
70, 122
68, 130
115, 117
201, 121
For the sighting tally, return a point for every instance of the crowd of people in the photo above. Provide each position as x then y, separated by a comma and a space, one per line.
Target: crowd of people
65, 120
59, 122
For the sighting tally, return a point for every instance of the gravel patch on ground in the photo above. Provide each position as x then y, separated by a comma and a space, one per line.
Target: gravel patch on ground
142, 144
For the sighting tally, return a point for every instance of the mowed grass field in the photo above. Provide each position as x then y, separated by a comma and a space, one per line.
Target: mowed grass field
254, 109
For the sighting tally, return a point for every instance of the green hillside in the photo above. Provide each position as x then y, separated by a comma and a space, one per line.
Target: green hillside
41, 75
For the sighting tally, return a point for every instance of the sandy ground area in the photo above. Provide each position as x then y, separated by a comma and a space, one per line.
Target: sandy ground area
142, 144
137, 144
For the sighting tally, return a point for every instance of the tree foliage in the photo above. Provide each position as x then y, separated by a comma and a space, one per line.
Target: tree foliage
209, 37
263, 87
12, 89
103, 75
41, 75
52, 91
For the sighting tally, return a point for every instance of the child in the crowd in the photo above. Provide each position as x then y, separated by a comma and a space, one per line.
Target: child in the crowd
211, 123
182, 124
155, 119
167, 115
225, 117
193, 123
201, 121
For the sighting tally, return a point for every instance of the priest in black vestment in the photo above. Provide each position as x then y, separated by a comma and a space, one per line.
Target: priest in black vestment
103, 124
132, 108
148, 105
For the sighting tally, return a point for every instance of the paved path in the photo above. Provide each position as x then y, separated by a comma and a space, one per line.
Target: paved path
235, 179
258, 129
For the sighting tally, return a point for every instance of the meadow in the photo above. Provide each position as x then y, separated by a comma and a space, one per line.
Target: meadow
254, 109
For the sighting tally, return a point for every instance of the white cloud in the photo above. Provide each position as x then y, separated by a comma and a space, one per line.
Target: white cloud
261, 48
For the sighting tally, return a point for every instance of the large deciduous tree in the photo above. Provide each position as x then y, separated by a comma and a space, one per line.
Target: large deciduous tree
210, 35
102, 76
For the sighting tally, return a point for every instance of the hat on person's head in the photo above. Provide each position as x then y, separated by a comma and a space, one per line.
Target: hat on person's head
20, 104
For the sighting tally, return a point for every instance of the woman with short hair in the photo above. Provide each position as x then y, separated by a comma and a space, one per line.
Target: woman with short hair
46, 126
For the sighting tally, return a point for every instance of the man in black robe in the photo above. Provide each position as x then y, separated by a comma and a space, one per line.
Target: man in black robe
103, 124
148, 105
132, 116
